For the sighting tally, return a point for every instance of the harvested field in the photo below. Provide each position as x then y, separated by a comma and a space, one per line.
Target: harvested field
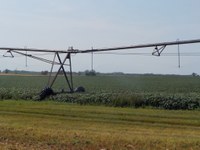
53, 125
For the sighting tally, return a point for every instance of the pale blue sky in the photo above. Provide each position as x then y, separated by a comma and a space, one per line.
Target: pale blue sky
102, 23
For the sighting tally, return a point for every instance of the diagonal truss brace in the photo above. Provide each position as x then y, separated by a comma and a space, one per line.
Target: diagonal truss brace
158, 50
33, 57
9, 54
62, 63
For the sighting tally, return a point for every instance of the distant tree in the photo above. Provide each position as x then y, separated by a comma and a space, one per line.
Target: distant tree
61, 72
194, 74
80, 73
90, 73
6, 71
44, 72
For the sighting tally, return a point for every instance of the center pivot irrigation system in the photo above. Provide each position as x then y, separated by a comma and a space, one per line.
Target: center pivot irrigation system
158, 49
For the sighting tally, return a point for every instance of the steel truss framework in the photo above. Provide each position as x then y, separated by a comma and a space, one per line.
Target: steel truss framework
158, 49
62, 67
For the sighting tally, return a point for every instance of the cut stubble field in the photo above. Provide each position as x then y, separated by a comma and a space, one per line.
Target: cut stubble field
53, 125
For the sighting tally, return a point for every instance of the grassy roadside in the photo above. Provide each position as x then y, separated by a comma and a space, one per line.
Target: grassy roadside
51, 125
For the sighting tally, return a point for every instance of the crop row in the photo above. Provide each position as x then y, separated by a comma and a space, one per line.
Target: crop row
132, 100
124, 99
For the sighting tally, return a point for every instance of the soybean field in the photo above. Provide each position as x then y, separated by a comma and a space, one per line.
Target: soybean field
160, 91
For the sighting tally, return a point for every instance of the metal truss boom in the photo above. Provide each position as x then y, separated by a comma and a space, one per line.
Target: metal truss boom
143, 46
75, 51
